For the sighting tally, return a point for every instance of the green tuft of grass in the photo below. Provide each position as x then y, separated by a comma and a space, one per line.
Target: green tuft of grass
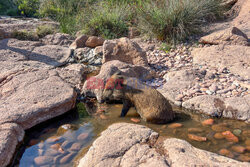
82, 110
175, 20
25, 35
43, 30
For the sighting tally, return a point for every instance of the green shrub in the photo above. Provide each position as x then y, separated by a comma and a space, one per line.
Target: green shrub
174, 20
7, 6
106, 20
28, 7
42, 31
25, 35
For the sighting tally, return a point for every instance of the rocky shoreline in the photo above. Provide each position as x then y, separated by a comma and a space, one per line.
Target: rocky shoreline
42, 79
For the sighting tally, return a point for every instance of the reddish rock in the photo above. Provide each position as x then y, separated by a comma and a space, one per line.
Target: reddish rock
135, 120
238, 149
102, 116
218, 136
94, 41
195, 130
79, 42
56, 146
82, 136
67, 158
43, 160
230, 136
175, 125
33, 142
247, 142
245, 158
53, 139
219, 128
75, 147
208, 122
196, 138
226, 152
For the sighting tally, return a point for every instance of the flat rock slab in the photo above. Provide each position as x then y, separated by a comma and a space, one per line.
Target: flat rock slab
32, 96
236, 58
125, 144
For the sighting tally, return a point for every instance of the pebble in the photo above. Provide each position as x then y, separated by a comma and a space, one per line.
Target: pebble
245, 158
175, 125
83, 136
247, 142
219, 127
237, 132
218, 136
135, 120
55, 146
195, 130
230, 136
238, 149
196, 138
226, 152
104, 117
53, 139
43, 160
67, 158
33, 142
75, 147
208, 122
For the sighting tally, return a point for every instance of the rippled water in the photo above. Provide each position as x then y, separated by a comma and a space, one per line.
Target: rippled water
46, 145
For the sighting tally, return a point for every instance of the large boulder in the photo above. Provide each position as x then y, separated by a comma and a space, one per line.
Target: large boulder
79, 42
233, 36
31, 96
134, 145
234, 107
124, 50
235, 58
94, 86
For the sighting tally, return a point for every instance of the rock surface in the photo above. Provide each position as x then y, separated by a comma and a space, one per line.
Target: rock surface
124, 50
229, 36
58, 39
134, 145
32, 89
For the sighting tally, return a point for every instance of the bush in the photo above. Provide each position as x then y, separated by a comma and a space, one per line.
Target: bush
7, 6
106, 20
44, 30
173, 20
28, 7
25, 35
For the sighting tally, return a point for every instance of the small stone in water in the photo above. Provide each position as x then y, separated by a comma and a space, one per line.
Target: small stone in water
237, 132
75, 147
195, 130
43, 160
247, 142
226, 152
218, 136
230, 136
53, 139
196, 138
67, 158
219, 127
239, 149
33, 142
82, 136
55, 146
175, 125
102, 116
244, 158
208, 122
135, 120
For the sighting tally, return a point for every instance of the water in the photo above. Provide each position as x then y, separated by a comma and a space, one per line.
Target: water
65, 149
